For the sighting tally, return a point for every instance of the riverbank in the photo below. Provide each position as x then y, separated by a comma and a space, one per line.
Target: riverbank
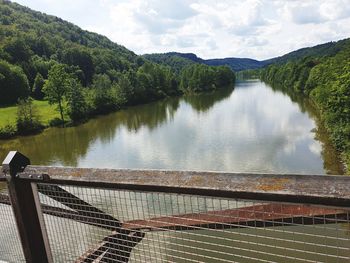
306, 104
48, 115
329, 102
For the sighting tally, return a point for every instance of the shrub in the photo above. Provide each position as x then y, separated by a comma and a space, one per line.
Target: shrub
7, 131
27, 120
56, 122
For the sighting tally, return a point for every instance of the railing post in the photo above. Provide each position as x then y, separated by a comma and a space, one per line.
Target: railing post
27, 210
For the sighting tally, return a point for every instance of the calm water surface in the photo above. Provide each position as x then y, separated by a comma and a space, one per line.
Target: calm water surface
249, 129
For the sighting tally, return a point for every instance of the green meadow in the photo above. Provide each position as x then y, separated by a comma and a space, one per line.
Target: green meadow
45, 111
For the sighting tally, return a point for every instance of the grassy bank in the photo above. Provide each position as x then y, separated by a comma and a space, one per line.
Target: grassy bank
46, 113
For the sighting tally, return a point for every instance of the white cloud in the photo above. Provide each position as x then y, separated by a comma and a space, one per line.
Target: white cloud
312, 11
305, 13
252, 28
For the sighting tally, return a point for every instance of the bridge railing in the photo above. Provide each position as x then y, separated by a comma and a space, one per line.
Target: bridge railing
56, 214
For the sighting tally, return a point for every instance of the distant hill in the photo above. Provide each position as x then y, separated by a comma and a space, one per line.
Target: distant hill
240, 64
189, 56
236, 64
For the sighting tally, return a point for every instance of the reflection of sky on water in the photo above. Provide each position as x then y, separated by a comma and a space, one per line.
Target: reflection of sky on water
255, 129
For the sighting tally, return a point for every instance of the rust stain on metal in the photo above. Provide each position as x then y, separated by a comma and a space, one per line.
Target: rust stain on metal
273, 184
76, 173
194, 180
257, 215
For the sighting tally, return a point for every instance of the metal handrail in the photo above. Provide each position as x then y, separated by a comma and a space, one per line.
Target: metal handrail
294, 188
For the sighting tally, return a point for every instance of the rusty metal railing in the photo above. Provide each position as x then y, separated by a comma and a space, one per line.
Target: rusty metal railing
102, 215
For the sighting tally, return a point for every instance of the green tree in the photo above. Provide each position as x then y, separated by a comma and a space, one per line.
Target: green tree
76, 103
18, 50
126, 88
13, 83
81, 58
38, 87
104, 95
56, 87
43, 47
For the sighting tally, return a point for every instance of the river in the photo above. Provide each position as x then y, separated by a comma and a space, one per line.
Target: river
251, 128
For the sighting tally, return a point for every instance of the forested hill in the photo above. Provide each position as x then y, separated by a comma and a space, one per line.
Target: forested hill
177, 63
322, 50
236, 64
34, 40
189, 56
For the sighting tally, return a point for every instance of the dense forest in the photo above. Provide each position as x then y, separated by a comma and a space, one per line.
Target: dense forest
83, 73
177, 63
325, 78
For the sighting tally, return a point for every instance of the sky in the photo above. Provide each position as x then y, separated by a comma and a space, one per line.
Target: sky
259, 29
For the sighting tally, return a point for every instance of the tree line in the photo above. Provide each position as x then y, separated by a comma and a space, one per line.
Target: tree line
76, 103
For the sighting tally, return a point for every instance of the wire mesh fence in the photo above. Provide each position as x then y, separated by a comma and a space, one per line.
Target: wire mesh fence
88, 224
102, 215
10, 245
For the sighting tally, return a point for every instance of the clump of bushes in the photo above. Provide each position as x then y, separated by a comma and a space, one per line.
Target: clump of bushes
7, 131
27, 119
